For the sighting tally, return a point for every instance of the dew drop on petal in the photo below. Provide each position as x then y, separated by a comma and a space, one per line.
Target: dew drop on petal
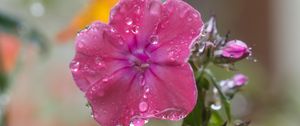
75, 66
99, 62
147, 90
195, 15
155, 8
129, 21
154, 39
143, 106
135, 30
105, 79
113, 30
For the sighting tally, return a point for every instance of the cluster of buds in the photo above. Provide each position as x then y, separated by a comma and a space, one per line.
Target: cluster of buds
212, 47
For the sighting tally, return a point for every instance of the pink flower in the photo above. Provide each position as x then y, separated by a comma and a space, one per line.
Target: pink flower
235, 49
135, 68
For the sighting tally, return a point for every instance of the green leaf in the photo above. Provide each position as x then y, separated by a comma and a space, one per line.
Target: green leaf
216, 119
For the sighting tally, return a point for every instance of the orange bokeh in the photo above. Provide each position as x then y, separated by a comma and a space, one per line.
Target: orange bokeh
9, 50
96, 10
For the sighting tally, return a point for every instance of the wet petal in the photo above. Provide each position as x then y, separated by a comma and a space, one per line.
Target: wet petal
87, 70
99, 52
115, 101
136, 19
100, 39
179, 26
171, 96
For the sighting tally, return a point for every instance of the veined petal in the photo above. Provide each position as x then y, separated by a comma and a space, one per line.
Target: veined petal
115, 101
100, 39
172, 96
136, 20
99, 52
180, 25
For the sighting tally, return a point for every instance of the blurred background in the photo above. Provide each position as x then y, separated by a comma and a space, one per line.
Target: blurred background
37, 45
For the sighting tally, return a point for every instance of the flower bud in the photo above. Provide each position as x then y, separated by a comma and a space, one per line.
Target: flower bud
231, 52
240, 80
231, 86
235, 49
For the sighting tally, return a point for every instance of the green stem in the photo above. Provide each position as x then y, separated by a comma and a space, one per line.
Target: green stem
224, 99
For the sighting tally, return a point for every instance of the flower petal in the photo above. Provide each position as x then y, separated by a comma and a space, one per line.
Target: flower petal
99, 53
121, 100
179, 27
172, 96
114, 101
136, 19
100, 39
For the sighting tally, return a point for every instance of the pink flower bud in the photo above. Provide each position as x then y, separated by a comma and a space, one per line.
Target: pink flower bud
235, 49
240, 80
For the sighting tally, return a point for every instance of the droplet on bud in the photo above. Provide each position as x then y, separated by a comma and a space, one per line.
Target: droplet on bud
216, 106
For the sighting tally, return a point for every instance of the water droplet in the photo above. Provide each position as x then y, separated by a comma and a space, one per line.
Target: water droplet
154, 39
99, 62
137, 9
94, 88
216, 106
135, 30
129, 21
195, 15
105, 79
75, 66
147, 90
155, 8
193, 31
113, 30
143, 106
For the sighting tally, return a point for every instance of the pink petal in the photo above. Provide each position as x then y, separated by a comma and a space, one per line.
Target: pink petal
128, 97
98, 54
87, 70
179, 26
172, 91
100, 39
115, 101
136, 19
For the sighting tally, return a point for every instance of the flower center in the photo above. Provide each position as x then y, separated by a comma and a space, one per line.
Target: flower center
140, 60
